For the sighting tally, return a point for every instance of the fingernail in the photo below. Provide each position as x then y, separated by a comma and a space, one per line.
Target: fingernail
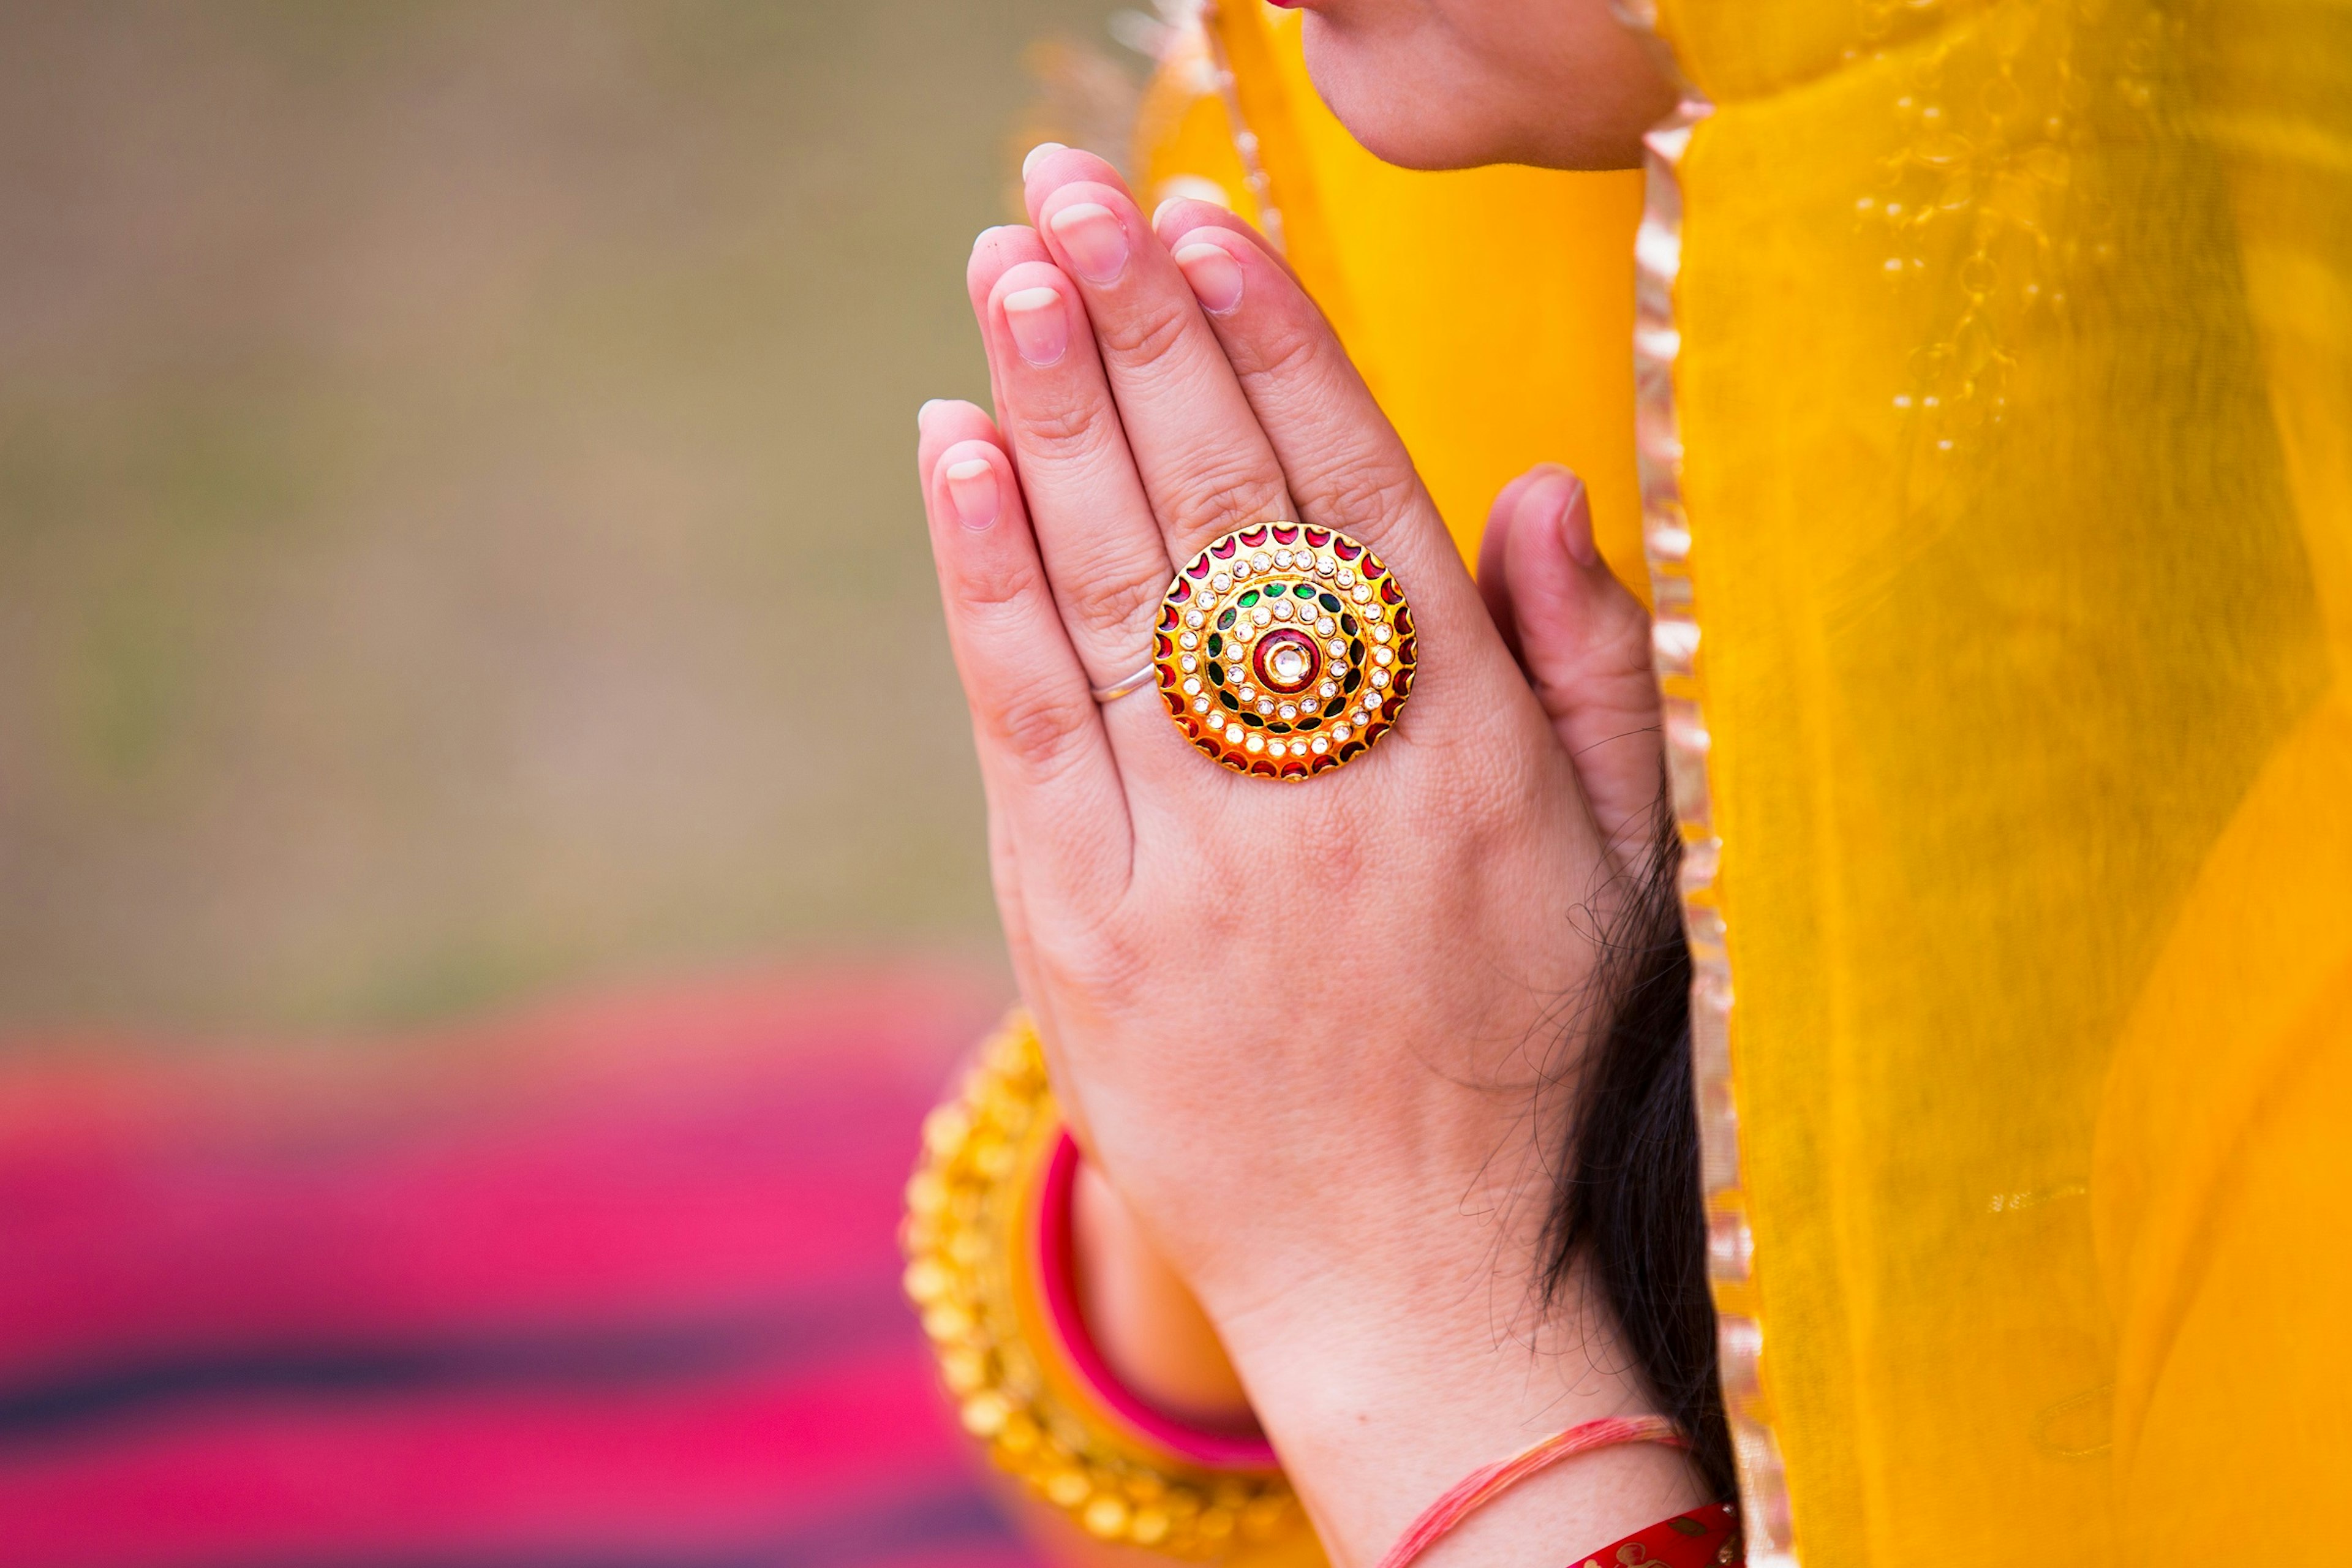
1215, 277
1551, 497
1041, 328
923, 415
972, 490
1043, 150
1576, 525
1189, 188
1097, 243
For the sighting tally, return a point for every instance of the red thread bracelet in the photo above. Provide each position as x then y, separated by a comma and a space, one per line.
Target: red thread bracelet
1483, 1485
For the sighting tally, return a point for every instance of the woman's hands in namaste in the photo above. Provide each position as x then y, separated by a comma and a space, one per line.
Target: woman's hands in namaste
1300, 1027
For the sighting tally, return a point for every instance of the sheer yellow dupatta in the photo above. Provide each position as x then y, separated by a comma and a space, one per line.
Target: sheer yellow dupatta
1997, 390
1997, 488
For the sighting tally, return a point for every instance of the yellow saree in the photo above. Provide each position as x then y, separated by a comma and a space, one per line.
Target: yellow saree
1997, 496
1997, 424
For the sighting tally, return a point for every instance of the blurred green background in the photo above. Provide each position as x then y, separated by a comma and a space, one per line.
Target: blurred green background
457, 534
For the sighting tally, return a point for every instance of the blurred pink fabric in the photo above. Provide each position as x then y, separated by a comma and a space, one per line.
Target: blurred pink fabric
608, 1286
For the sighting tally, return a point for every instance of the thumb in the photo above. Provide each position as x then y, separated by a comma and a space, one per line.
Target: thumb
1584, 641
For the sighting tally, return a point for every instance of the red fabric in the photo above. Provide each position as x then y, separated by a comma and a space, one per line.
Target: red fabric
1704, 1538
614, 1286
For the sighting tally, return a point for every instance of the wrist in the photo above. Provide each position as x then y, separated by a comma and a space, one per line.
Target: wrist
1381, 1388
1148, 1330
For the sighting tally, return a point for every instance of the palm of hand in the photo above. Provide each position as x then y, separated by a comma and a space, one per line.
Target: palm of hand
1296, 1025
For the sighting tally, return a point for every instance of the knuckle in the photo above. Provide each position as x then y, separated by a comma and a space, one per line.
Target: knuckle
1216, 500
1285, 349
1358, 498
1068, 431
1147, 335
1043, 732
1109, 600
994, 591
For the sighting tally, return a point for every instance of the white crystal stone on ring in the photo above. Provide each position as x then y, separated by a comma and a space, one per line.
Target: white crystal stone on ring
1188, 664
1199, 705
1373, 612
1380, 677
1258, 562
1290, 663
1234, 733
1241, 569
1282, 609
1382, 656
1187, 640
1340, 731
1338, 647
1330, 689
1222, 581
1345, 577
1281, 558
1192, 686
1323, 626
1318, 745
1362, 593
1255, 744
1323, 565
1289, 710
1196, 620
1265, 704
1381, 634
1262, 616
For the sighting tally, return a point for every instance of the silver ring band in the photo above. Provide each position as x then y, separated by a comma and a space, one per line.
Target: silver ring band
1136, 682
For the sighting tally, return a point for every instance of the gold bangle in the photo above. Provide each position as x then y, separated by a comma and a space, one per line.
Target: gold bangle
971, 1241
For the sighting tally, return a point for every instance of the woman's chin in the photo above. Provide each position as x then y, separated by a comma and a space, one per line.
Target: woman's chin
1424, 108
1392, 107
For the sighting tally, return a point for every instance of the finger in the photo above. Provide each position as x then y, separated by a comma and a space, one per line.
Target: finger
1344, 462
1494, 569
1182, 215
995, 248
1042, 750
1096, 532
1205, 464
1585, 640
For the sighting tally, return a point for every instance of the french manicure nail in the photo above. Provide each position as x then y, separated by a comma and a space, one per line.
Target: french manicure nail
1041, 326
923, 415
1215, 277
1095, 239
1162, 210
1043, 150
972, 490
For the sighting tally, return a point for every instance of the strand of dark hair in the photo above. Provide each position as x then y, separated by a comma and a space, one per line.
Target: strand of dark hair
1628, 1205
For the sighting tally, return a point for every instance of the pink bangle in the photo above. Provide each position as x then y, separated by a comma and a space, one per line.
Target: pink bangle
1203, 1447
1483, 1485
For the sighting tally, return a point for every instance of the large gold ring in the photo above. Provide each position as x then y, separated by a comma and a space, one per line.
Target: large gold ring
1285, 651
